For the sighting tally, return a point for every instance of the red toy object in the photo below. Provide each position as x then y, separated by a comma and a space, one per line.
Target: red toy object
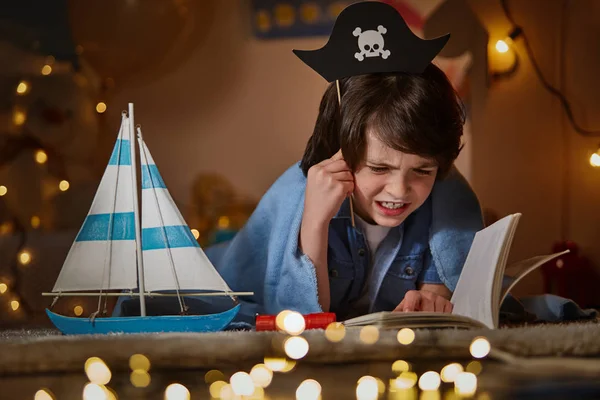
311, 321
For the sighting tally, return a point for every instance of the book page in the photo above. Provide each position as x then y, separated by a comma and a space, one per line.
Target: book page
473, 295
500, 269
520, 269
415, 320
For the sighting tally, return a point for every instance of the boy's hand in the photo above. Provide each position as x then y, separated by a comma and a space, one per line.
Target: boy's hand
424, 300
328, 184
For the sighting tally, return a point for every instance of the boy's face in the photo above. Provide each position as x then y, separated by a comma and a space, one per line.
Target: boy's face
389, 184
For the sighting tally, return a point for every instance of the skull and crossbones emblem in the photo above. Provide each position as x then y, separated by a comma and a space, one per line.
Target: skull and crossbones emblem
371, 43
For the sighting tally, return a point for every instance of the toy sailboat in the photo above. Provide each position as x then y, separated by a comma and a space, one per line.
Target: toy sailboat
112, 253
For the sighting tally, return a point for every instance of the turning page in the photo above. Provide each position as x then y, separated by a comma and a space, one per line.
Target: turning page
520, 269
486, 260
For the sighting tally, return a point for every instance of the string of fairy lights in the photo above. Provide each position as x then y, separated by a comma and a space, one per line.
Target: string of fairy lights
457, 381
24, 255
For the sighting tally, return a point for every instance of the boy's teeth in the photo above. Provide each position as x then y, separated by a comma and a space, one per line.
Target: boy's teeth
392, 205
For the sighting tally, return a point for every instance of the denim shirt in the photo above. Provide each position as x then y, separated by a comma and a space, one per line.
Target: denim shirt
264, 256
401, 262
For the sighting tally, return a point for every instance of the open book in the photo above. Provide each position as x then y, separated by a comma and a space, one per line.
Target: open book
480, 290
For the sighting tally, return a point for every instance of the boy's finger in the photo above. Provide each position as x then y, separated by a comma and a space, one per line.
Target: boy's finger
412, 301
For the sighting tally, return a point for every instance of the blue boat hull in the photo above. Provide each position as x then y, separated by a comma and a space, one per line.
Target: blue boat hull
151, 324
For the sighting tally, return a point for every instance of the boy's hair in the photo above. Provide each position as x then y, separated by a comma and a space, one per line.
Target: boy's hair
414, 113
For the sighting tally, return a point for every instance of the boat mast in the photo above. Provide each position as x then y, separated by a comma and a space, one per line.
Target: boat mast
136, 213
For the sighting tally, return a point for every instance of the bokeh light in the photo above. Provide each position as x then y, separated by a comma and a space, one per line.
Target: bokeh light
406, 336
451, 371
261, 375
309, 389
296, 347
369, 334
63, 185
293, 323
465, 384
44, 394
480, 347
176, 391
140, 378
335, 332
40, 156
139, 361
430, 380
97, 371
367, 388
400, 366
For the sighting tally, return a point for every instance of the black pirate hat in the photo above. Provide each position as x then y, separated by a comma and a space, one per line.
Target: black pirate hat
371, 37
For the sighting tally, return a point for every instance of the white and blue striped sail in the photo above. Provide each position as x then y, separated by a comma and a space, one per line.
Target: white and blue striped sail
103, 255
172, 257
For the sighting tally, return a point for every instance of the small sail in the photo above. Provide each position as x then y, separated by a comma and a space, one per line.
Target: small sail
172, 257
103, 255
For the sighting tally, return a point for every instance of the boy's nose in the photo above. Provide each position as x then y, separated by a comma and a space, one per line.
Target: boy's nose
399, 189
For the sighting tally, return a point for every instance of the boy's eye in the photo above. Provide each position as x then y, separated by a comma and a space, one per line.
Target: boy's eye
378, 170
423, 171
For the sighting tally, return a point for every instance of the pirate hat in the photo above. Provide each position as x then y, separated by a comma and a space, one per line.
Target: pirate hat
371, 37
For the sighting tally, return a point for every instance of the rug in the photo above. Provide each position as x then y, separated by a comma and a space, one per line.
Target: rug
40, 351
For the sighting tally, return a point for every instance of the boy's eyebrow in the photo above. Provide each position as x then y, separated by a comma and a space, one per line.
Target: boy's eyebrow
427, 164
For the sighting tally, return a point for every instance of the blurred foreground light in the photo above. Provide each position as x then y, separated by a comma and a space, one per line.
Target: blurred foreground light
44, 394
14, 305
63, 185
451, 371
275, 364
97, 371
261, 375
480, 347
369, 334
293, 323
139, 361
406, 336
465, 384
309, 390
215, 388
367, 388
335, 332
296, 347
176, 391
242, 384
430, 380
214, 375
93, 391
400, 366
280, 318
140, 378
474, 367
